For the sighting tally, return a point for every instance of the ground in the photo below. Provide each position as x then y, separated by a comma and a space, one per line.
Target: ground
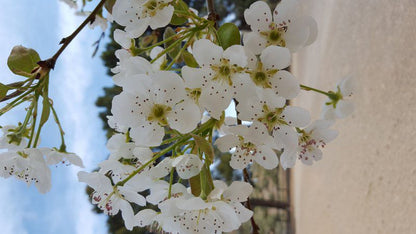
366, 182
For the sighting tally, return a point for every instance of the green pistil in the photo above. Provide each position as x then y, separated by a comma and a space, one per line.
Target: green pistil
225, 71
272, 118
151, 7
194, 94
159, 113
262, 76
275, 36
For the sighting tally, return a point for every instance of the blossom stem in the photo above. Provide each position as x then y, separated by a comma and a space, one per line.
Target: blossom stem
34, 114
169, 48
181, 51
205, 126
307, 88
170, 183
61, 131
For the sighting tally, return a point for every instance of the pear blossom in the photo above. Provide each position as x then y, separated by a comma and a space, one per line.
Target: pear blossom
251, 144
28, 165
54, 156
112, 199
279, 119
339, 105
159, 192
221, 212
282, 27
211, 86
160, 101
137, 15
187, 165
10, 139
311, 140
123, 39
267, 75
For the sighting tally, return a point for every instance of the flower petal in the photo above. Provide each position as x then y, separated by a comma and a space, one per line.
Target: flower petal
275, 57
206, 52
258, 16
266, 157
185, 117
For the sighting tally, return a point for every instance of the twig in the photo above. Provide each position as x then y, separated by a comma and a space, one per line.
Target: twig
256, 229
212, 15
50, 63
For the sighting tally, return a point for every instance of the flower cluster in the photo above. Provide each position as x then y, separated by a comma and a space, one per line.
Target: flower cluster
30, 164
170, 107
172, 111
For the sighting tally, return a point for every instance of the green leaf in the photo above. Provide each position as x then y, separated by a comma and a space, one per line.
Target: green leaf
178, 17
109, 5
195, 183
3, 90
228, 35
22, 60
206, 147
189, 59
169, 32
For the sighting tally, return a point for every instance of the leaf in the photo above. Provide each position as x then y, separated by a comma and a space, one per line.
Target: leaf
195, 183
228, 35
180, 8
178, 20
169, 32
22, 60
203, 145
109, 5
3, 90
189, 59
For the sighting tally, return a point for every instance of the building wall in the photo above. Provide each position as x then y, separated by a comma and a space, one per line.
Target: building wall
366, 181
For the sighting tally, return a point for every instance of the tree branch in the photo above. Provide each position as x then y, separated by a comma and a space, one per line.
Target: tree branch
50, 63
256, 229
212, 15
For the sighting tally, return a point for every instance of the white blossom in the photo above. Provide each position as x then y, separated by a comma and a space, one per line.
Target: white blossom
27, 165
311, 140
340, 104
212, 86
137, 15
251, 144
282, 27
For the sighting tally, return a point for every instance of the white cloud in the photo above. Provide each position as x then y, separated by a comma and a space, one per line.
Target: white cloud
82, 124
11, 215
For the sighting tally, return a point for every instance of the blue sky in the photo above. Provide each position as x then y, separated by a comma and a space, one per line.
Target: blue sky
75, 84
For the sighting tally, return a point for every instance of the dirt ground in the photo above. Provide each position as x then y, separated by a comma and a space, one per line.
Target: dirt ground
366, 181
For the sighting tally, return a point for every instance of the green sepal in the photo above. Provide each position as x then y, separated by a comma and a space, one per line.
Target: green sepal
169, 32
189, 59
178, 18
195, 183
46, 106
204, 146
109, 5
22, 60
228, 35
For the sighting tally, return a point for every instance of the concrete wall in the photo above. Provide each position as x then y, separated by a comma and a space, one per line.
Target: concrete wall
366, 182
